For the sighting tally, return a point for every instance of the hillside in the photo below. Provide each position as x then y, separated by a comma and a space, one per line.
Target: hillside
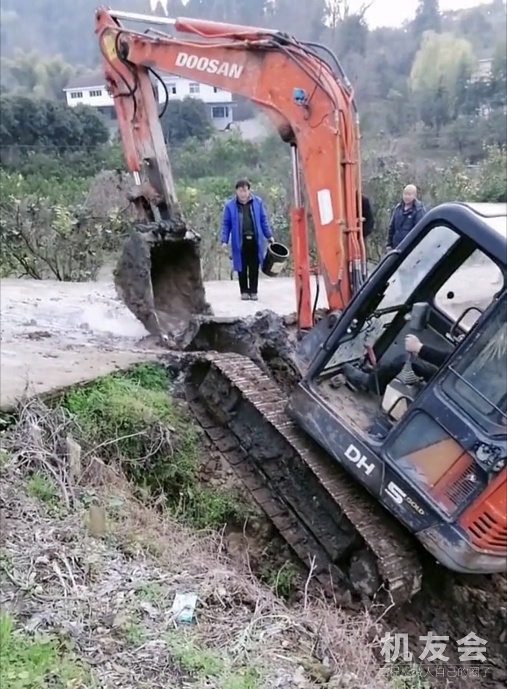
43, 45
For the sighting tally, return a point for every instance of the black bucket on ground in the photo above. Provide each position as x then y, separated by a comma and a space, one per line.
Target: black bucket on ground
275, 259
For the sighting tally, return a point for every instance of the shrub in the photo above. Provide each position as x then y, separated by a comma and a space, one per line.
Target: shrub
41, 240
50, 228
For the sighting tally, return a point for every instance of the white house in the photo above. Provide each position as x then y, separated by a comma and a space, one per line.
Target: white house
90, 89
483, 69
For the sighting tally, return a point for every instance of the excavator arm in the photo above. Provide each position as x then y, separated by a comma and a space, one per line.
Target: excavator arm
309, 101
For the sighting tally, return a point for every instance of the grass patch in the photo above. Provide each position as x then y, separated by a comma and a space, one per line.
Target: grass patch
43, 488
411, 678
282, 581
38, 662
131, 417
202, 663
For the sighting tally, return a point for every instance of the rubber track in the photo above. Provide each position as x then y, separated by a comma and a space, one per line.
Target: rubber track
397, 560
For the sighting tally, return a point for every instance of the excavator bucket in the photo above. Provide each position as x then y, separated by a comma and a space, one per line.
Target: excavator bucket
158, 277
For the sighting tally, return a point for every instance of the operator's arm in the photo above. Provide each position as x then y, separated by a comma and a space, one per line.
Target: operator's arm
266, 230
432, 355
225, 230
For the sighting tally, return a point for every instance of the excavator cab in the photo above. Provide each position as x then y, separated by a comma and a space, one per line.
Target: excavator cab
434, 451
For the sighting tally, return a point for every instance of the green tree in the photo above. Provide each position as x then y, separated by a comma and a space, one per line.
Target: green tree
94, 131
31, 124
427, 18
31, 74
498, 82
441, 66
185, 119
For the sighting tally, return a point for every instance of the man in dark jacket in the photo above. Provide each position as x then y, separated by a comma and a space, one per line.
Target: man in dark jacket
405, 217
427, 362
367, 216
245, 225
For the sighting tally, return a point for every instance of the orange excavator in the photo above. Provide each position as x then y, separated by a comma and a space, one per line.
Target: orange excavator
356, 479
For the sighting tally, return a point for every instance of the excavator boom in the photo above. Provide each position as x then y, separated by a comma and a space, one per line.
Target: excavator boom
310, 103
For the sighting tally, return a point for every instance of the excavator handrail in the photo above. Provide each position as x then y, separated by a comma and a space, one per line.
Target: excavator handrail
312, 107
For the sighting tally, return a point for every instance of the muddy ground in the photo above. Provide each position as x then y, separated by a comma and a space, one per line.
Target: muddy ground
58, 334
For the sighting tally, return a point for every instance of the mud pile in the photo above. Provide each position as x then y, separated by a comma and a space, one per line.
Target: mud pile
108, 195
264, 338
454, 606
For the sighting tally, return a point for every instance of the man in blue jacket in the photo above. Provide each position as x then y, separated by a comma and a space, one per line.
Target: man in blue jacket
245, 225
405, 217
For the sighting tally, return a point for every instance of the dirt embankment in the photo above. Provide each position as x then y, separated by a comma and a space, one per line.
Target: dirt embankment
92, 565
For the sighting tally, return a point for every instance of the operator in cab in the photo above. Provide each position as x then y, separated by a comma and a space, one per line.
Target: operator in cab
245, 224
426, 363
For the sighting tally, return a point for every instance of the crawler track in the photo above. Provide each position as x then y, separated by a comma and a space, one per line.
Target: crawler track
329, 521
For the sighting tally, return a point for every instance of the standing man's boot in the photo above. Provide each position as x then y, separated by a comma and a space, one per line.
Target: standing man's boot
254, 297
245, 296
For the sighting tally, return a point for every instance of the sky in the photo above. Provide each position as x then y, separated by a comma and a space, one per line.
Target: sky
394, 13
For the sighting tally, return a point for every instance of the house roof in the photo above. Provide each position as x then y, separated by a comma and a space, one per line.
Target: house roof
87, 81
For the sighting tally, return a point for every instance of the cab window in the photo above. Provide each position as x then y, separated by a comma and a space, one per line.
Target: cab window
474, 283
422, 259
477, 383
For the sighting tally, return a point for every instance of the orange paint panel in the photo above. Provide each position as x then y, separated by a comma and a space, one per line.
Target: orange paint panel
486, 519
435, 460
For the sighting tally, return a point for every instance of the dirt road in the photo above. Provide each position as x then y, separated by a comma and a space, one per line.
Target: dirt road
57, 334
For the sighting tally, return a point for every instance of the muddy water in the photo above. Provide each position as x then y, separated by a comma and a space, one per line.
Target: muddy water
56, 334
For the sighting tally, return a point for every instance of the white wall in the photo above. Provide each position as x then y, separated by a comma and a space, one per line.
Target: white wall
87, 96
181, 88
178, 88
